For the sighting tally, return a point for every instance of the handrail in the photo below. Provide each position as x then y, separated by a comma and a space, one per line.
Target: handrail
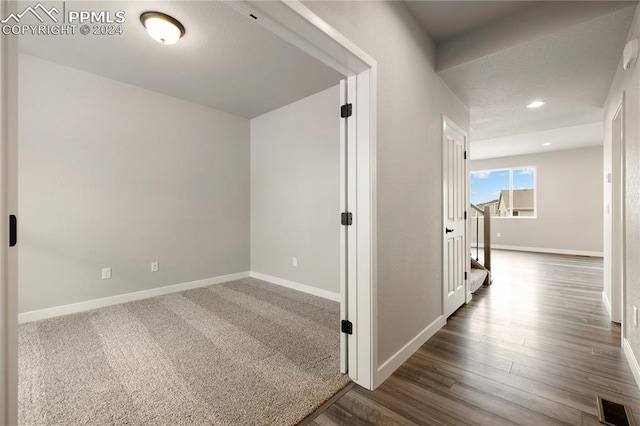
487, 237
473, 206
476, 208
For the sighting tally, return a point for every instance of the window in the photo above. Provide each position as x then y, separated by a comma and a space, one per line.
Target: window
507, 192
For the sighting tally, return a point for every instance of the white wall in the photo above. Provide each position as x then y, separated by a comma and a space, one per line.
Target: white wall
411, 99
627, 84
112, 175
295, 192
569, 203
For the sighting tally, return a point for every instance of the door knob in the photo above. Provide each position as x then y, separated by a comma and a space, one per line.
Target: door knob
447, 230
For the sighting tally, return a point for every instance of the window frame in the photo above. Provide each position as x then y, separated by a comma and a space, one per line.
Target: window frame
511, 170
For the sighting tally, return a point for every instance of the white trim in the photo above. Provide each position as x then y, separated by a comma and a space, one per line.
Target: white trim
344, 352
544, 250
124, 298
323, 36
372, 251
364, 231
467, 212
469, 298
352, 232
607, 303
631, 359
399, 358
160, 291
325, 294
8, 205
268, 18
617, 263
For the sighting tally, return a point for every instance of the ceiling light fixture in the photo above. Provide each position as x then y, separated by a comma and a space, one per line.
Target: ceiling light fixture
162, 28
546, 144
535, 104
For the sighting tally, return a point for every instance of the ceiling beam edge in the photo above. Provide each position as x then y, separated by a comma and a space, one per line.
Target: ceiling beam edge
531, 23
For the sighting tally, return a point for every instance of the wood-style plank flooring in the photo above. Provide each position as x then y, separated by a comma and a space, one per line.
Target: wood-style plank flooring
535, 348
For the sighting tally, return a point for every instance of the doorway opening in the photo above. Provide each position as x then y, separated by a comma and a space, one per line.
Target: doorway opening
359, 257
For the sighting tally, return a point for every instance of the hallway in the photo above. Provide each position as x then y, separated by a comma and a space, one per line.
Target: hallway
536, 347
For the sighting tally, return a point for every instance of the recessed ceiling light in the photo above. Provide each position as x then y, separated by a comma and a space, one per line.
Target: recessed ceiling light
546, 144
535, 104
162, 28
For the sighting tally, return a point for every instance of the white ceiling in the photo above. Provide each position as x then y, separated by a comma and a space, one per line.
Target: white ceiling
564, 53
444, 20
560, 139
225, 60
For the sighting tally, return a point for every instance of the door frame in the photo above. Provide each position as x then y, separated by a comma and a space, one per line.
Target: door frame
8, 205
617, 266
297, 24
447, 122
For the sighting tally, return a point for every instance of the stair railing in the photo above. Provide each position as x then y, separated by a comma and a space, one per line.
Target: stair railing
486, 213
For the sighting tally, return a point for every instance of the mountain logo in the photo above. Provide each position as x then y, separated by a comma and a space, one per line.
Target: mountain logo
38, 11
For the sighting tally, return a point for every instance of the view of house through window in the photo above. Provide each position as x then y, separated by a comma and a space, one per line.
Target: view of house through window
507, 192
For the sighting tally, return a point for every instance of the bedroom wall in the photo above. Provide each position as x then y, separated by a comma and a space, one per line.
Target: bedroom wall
111, 175
295, 192
411, 99
569, 203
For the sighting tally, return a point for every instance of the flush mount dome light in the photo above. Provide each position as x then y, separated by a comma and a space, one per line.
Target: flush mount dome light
535, 104
546, 144
162, 28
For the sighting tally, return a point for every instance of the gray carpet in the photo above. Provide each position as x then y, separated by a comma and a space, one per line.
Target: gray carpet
246, 352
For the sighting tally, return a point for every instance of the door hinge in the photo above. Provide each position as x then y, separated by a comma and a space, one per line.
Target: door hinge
13, 230
346, 219
346, 110
465, 155
465, 275
346, 327
465, 215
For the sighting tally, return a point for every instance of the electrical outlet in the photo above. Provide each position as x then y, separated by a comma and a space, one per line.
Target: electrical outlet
154, 266
106, 273
635, 316
294, 261
499, 235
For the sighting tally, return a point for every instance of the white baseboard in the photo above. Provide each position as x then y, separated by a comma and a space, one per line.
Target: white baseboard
631, 359
326, 294
399, 358
545, 250
123, 298
607, 303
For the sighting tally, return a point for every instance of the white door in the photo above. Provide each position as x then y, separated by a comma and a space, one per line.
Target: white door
455, 254
348, 234
344, 367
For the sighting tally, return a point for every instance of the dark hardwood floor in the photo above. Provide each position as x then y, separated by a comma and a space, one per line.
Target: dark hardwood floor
535, 348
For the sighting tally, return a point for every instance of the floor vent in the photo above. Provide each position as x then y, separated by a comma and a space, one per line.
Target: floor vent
614, 413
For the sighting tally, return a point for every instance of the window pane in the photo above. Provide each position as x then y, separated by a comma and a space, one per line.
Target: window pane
487, 189
523, 192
